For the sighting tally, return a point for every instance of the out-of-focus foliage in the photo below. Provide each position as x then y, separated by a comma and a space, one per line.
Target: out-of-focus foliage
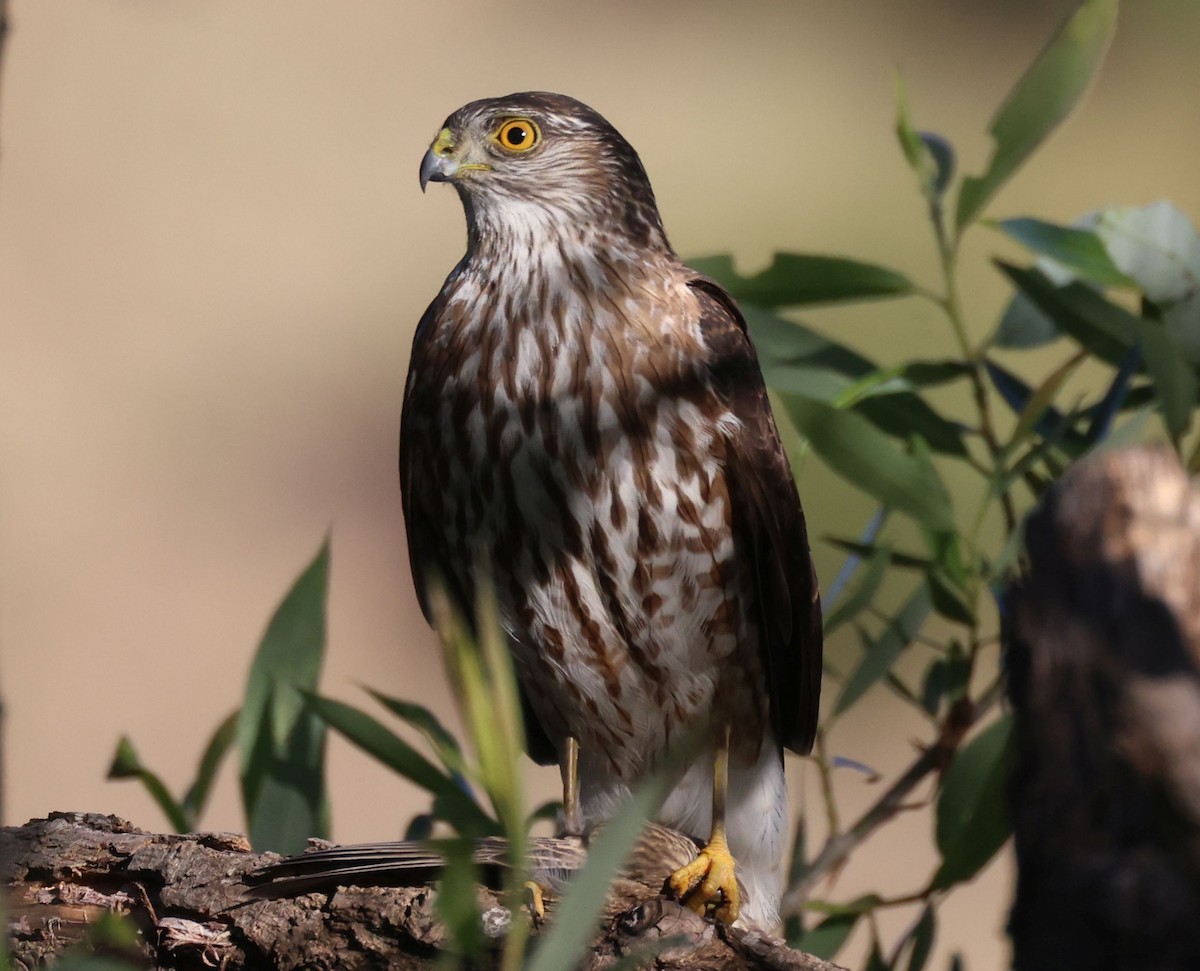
1119, 290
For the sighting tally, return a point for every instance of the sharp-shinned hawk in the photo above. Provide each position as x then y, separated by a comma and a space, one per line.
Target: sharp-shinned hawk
586, 416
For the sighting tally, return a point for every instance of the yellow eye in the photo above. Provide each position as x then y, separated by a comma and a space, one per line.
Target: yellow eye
518, 135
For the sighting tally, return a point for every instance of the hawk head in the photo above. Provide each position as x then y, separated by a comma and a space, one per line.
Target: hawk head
534, 160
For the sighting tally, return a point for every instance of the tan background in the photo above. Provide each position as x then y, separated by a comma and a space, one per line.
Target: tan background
213, 252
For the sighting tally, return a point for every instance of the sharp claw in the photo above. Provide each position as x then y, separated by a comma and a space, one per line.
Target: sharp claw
536, 902
709, 883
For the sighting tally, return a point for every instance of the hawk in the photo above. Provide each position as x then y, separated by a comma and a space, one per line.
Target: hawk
585, 418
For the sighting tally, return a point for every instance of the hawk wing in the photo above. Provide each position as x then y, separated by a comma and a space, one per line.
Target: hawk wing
768, 523
429, 554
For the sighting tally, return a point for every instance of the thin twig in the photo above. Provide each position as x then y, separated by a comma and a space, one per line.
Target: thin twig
958, 721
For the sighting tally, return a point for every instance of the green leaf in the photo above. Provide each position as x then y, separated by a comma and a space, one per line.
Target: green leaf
866, 457
1023, 325
1156, 246
796, 359
827, 938
480, 672
581, 905
1079, 250
916, 152
291, 804
1043, 97
799, 279
921, 939
196, 797
925, 374
949, 599
946, 678
1108, 331
904, 560
456, 902
281, 744
972, 821
426, 722
1101, 327
126, 765
881, 654
847, 608
1041, 399
360, 729
1175, 384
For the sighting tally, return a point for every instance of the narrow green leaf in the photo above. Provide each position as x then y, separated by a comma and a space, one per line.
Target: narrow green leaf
906, 415
800, 279
882, 653
922, 939
366, 733
291, 805
196, 797
866, 457
827, 938
584, 898
797, 360
926, 374
281, 745
1043, 97
875, 960
1079, 250
1108, 331
456, 902
847, 608
1101, 327
127, 765
444, 744
948, 598
905, 560
972, 819
125, 762
916, 153
1174, 377
1041, 399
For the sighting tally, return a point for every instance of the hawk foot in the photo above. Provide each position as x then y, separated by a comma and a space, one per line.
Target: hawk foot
535, 902
709, 883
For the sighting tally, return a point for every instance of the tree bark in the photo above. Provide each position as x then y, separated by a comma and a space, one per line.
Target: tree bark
1104, 676
187, 897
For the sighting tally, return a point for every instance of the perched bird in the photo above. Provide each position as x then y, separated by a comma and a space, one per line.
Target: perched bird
585, 419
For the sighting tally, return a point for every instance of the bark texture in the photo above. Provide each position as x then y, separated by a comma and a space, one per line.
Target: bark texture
187, 897
1104, 665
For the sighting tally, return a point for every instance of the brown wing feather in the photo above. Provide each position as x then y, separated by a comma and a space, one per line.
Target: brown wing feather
427, 550
768, 520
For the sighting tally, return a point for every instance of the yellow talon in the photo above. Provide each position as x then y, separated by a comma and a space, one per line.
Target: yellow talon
709, 882
536, 902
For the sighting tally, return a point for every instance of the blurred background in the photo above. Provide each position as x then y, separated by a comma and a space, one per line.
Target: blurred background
213, 253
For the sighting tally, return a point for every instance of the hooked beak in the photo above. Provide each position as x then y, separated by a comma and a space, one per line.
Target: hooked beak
444, 161
439, 163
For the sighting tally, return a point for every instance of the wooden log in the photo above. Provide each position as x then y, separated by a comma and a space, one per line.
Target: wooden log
190, 900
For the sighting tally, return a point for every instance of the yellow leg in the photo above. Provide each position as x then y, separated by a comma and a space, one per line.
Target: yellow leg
572, 821
709, 882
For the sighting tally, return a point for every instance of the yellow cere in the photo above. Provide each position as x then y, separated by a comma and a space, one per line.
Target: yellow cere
443, 145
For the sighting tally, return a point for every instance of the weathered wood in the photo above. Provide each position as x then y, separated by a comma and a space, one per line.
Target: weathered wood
1104, 659
188, 896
